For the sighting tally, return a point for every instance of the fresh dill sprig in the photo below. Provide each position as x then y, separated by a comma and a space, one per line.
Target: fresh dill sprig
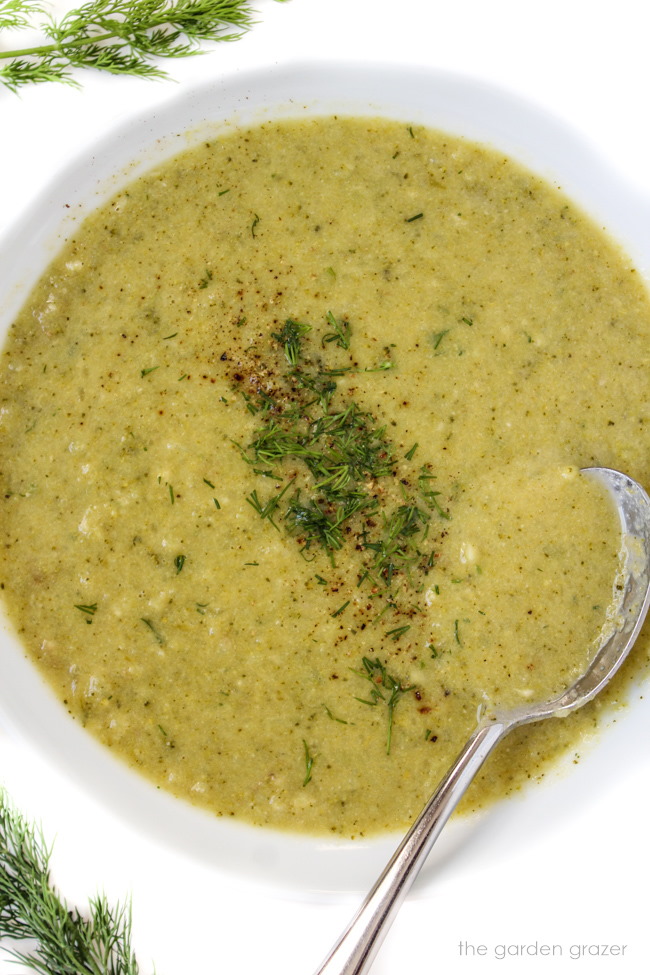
60, 939
15, 14
117, 36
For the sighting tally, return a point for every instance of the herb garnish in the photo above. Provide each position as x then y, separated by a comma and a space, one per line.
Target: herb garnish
333, 716
88, 610
410, 454
31, 910
290, 337
309, 763
206, 279
398, 632
158, 637
341, 333
376, 672
332, 454
117, 36
437, 337
395, 551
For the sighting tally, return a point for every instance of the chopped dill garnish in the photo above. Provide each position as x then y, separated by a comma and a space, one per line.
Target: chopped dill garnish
179, 562
376, 672
398, 632
418, 216
168, 741
332, 454
291, 338
88, 609
333, 716
341, 333
206, 279
429, 495
267, 509
309, 763
437, 337
396, 549
382, 367
158, 637
411, 453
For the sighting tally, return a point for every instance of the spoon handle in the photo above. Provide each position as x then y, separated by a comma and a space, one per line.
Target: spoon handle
355, 950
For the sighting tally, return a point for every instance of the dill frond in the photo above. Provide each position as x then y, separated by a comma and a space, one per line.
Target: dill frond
117, 36
61, 939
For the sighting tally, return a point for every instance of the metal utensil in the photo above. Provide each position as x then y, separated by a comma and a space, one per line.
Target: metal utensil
355, 950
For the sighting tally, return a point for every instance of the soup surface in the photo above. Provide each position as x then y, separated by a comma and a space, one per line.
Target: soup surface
290, 441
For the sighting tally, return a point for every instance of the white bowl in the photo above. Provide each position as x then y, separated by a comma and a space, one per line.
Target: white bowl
425, 97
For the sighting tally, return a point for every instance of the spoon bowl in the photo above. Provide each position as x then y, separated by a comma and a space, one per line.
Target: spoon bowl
354, 952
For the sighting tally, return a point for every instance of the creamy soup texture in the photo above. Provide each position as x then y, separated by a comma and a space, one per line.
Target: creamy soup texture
291, 434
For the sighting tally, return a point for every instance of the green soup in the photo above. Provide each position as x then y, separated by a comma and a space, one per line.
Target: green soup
291, 434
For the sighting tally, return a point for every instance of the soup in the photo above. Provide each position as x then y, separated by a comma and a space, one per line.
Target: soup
291, 439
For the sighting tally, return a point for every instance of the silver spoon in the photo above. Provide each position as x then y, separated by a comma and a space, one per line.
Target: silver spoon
355, 950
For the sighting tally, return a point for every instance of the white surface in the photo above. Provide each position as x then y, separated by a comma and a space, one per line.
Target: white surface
586, 62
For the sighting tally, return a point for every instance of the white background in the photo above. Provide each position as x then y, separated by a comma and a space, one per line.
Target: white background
578, 876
